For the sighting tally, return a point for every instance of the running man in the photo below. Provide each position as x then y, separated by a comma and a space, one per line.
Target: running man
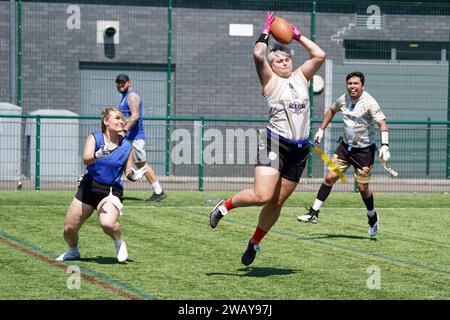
360, 113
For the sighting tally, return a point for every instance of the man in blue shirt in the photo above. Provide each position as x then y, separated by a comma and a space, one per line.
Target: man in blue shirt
131, 107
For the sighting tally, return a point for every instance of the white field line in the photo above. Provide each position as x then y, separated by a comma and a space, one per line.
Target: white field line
204, 207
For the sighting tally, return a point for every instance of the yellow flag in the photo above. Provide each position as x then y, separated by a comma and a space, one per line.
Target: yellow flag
329, 163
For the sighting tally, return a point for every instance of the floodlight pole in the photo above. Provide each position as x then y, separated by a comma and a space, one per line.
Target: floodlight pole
19, 53
13, 50
311, 89
169, 84
448, 109
16, 75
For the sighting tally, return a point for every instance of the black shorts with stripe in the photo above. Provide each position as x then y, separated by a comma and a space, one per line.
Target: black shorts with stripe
92, 192
288, 158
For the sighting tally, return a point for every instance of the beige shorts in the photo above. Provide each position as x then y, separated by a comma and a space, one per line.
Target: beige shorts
361, 159
362, 175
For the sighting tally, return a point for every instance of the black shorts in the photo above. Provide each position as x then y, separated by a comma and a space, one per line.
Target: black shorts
357, 157
361, 159
288, 158
92, 192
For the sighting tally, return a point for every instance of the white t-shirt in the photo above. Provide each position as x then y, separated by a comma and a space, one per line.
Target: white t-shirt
288, 104
360, 117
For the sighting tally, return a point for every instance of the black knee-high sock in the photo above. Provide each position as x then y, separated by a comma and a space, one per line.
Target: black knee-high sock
369, 202
324, 192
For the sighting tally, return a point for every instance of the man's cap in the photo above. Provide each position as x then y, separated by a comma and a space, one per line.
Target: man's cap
122, 77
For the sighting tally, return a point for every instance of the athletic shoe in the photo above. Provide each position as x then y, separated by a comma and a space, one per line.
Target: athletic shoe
249, 255
157, 197
69, 255
312, 216
122, 252
373, 225
217, 213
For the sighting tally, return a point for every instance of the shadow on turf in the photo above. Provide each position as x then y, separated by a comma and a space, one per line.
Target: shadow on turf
257, 272
133, 198
103, 260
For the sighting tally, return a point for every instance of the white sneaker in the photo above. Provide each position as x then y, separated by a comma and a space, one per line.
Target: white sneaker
374, 229
69, 255
312, 216
122, 252
217, 213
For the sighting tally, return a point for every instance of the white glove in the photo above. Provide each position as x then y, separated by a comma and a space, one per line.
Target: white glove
103, 152
137, 173
384, 153
319, 136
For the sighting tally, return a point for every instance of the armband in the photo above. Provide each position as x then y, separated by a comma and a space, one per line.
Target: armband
384, 138
263, 37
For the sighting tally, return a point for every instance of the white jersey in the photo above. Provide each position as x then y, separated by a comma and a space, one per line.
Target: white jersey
288, 103
360, 117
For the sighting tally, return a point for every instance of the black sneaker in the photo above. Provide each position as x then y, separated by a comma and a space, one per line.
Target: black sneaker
249, 255
216, 214
312, 216
157, 197
373, 225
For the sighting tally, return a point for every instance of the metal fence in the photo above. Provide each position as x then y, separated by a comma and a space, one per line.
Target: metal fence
193, 59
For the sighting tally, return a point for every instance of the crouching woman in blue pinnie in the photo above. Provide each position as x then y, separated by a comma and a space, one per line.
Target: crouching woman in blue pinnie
106, 155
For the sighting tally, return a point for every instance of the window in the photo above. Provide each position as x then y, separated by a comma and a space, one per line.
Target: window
363, 49
395, 50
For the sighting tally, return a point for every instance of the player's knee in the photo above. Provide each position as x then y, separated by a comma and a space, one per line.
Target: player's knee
280, 201
331, 179
363, 188
108, 226
70, 229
